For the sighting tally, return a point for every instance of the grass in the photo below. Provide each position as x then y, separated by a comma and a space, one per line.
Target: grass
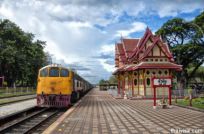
12, 92
197, 102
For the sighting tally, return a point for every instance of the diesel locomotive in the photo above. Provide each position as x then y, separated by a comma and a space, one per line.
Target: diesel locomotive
58, 86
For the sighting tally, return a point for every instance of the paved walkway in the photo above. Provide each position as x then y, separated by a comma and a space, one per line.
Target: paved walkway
98, 112
17, 98
15, 107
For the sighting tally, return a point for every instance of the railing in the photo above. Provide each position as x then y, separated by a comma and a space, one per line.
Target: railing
7, 91
182, 93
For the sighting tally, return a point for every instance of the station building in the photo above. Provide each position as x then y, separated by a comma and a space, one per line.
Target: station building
138, 61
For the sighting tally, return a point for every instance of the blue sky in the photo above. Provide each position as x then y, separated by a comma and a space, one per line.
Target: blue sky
81, 33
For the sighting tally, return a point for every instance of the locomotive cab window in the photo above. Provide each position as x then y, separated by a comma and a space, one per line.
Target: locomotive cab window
64, 73
54, 72
44, 73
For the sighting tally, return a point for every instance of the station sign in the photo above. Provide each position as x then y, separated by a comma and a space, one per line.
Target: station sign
162, 82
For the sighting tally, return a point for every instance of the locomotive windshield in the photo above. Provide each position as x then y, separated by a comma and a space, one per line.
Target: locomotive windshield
64, 73
54, 72
44, 73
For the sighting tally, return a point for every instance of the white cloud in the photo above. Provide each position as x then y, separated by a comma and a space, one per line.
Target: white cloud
6, 12
79, 25
108, 48
136, 27
174, 7
107, 67
69, 28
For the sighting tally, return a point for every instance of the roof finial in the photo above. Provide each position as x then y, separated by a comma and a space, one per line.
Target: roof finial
148, 30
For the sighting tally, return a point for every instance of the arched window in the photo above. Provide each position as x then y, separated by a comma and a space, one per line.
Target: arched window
135, 82
147, 72
160, 72
166, 72
148, 81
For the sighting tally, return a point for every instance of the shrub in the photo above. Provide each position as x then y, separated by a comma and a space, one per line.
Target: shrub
186, 98
190, 91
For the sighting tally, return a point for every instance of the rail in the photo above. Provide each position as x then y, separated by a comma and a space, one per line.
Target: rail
29, 123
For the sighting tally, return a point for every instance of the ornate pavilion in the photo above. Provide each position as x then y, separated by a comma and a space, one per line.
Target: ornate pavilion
138, 61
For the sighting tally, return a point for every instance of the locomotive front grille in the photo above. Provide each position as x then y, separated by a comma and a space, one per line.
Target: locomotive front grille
53, 100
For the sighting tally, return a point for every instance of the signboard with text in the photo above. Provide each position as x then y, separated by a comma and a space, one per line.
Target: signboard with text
162, 82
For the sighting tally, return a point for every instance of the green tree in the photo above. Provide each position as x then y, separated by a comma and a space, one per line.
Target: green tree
20, 56
185, 40
198, 74
113, 80
102, 81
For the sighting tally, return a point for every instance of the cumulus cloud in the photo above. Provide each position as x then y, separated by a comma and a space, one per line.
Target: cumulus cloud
174, 7
76, 30
135, 27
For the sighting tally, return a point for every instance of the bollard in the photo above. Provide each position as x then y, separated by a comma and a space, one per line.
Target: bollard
175, 99
190, 100
7, 91
125, 96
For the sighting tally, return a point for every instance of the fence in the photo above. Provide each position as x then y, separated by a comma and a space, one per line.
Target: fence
182, 93
7, 91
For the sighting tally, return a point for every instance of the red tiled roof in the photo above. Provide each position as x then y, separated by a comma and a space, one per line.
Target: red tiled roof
140, 46
120, 49
121, 52
129, 46
129, 49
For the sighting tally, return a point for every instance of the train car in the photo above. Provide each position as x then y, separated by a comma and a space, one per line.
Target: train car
59, 86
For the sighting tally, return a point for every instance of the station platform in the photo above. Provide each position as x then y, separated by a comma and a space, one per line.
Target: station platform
99, 113
16, 107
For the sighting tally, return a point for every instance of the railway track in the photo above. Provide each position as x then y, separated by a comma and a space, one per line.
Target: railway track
34, 120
